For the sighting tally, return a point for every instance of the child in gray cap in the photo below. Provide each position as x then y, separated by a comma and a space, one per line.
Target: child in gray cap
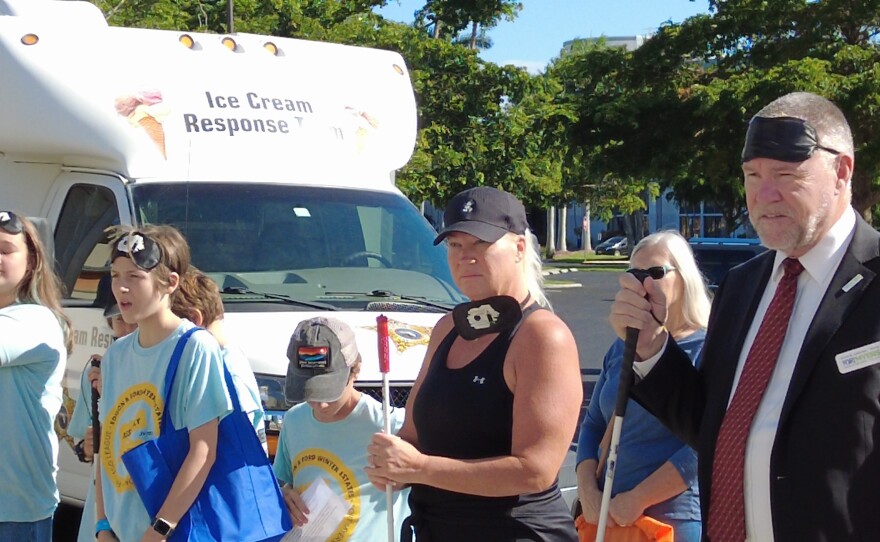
326, 434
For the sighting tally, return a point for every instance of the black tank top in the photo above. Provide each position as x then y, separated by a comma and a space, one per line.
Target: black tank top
467, 413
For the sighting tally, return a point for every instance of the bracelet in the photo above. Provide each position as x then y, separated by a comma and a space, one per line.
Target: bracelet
102, 525
81, 453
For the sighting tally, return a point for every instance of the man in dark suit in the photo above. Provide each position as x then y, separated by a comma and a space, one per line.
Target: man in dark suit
785, 408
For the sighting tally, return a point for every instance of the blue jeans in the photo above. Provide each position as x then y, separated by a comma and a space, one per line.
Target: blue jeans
36, 531
685, 530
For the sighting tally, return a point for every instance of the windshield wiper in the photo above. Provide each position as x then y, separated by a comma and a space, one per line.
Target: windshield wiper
387, 294
241, 290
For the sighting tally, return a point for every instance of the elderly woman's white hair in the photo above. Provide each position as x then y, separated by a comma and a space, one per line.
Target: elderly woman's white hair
695, 303
534, 270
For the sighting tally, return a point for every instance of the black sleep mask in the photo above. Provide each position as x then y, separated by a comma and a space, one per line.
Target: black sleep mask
491, 315
786, 139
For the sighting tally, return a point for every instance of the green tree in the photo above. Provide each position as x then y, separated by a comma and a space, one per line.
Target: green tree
719, 70
450, 17
591, 123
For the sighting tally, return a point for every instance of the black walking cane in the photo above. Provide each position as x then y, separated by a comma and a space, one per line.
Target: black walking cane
627, 377
96, 426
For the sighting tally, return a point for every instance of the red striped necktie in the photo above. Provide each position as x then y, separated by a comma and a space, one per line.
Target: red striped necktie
727, 505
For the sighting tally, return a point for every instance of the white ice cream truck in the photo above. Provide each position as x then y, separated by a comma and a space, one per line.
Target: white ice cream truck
275, 157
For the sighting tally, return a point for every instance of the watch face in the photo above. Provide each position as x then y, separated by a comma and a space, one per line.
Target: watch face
162, 527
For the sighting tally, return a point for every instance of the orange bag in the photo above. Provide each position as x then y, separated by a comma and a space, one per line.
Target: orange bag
645, 529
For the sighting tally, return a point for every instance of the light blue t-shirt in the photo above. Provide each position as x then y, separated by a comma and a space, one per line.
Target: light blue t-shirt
82, 411
76, 428
248, 392
32, 360
337, 452
131, 407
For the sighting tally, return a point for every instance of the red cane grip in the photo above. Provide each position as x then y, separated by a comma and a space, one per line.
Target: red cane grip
382, 326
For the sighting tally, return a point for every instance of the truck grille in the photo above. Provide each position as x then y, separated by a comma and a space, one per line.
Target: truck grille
398, 394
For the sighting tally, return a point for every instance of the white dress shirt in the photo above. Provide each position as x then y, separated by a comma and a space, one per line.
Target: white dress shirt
819, 263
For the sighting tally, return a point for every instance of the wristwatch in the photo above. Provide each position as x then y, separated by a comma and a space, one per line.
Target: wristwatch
162, 527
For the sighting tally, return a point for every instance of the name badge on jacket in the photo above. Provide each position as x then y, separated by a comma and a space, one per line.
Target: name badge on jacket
858, 358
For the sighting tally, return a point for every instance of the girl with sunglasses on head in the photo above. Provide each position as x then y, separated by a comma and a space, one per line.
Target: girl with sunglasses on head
656, 474
147, 266
35, 340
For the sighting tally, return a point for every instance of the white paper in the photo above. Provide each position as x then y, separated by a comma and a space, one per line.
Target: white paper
326, 512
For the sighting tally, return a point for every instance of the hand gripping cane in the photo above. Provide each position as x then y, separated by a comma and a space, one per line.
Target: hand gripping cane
385, 367
627, 377
96, 426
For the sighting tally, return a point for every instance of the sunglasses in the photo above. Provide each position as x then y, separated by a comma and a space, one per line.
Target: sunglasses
10, 222
144, 252
656, 272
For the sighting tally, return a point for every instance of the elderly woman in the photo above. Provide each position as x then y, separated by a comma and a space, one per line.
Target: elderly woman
494, 408
656, 473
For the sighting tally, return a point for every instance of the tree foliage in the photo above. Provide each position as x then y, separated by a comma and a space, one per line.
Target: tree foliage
676, 109
450, 17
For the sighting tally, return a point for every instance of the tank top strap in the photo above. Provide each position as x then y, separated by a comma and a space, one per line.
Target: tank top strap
525, 313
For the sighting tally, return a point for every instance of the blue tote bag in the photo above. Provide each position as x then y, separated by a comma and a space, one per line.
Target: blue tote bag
240, 501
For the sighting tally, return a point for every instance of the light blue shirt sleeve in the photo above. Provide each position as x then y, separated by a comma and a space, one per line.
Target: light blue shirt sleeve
32, 363
397, 417
594, 425
82, 411
281, 465
199, 392
248, 391
30, 334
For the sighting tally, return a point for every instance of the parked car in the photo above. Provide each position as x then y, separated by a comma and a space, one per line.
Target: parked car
613, 246
716, 256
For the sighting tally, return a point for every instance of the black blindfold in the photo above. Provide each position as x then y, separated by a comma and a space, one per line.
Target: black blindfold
786, 139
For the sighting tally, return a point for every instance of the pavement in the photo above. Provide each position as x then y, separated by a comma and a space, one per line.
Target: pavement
554, 267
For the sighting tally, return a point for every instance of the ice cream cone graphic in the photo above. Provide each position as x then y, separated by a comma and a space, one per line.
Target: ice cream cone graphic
154, 129
145, 110
365, 124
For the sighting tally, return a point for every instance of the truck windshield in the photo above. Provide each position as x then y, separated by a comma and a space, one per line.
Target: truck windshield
315, 244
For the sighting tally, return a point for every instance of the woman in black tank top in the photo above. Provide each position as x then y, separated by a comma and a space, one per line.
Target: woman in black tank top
493, 411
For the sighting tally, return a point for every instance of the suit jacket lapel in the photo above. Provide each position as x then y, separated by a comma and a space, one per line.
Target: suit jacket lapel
834, 308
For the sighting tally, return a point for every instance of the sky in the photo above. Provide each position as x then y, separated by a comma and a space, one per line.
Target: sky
542, 26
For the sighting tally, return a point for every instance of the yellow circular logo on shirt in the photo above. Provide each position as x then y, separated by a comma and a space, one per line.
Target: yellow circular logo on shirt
132, 420
330, 463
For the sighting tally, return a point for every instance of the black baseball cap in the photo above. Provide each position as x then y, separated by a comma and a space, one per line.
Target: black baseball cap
484, 212
104, 297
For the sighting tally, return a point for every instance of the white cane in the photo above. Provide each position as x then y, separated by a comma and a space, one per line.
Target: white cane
385, 368
626, 381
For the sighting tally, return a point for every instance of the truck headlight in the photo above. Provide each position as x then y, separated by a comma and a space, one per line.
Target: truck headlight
274, 405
